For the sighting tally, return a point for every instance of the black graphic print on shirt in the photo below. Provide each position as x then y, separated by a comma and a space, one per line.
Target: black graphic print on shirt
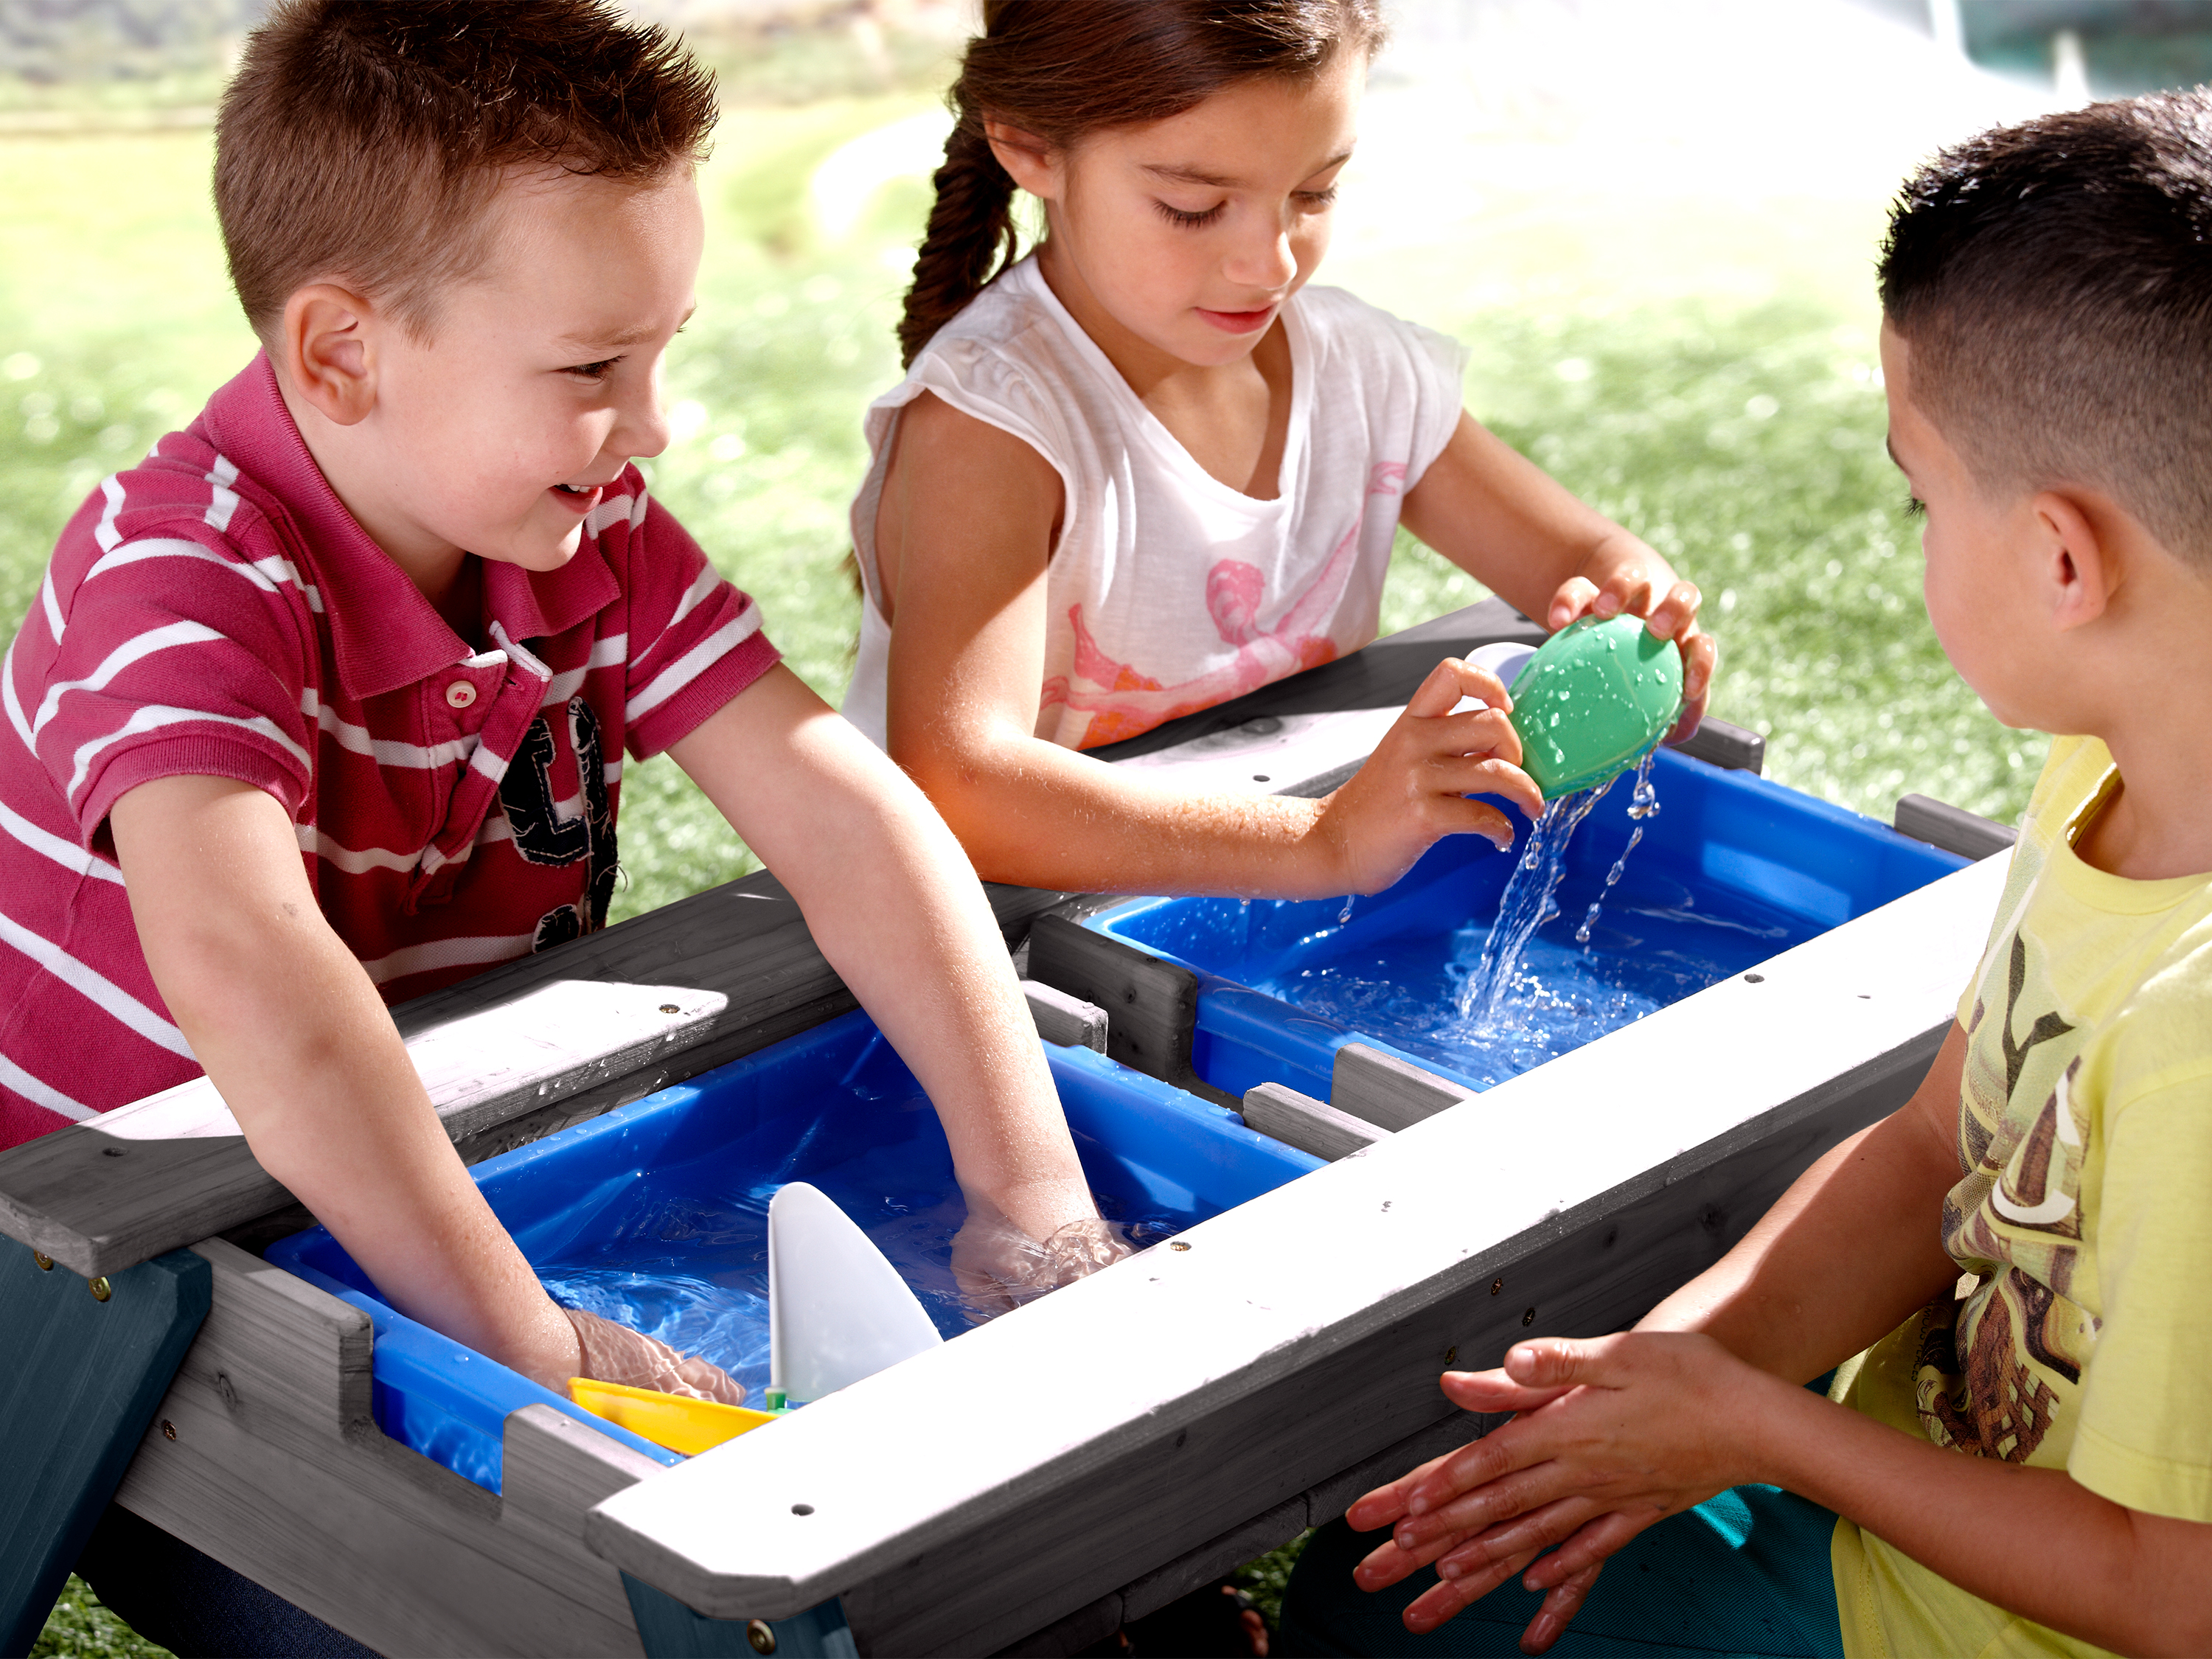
545, 835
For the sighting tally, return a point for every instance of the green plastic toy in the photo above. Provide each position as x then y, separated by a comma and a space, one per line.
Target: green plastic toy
1590, 702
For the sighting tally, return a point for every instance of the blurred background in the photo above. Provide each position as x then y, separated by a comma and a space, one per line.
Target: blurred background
1653, 221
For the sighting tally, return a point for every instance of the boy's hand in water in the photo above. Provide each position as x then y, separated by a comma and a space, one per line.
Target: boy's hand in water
1671, 614
999, 1267
1610, 1437
609, 1352
1412, 791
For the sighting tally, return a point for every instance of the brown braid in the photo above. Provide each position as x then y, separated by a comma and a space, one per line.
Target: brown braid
1060, 70
970, 240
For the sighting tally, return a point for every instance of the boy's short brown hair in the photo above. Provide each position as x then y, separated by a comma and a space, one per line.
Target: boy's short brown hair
362, 141
2053, 280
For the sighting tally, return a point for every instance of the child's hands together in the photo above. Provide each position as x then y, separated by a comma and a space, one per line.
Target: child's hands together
1611, 1436
1669, 608
1412, 791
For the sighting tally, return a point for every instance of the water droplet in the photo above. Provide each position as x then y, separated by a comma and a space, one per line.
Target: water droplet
1345, 914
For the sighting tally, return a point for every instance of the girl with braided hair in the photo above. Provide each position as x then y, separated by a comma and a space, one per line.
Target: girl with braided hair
1147, 469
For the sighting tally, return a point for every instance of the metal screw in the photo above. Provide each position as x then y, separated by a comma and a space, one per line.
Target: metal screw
1754, 979
1451, 1353
45, 1262
168, 1429
1529, 1317
671, 1008
1177, 1244
802, 1509
760, 1636
1496, 1286
99, 1289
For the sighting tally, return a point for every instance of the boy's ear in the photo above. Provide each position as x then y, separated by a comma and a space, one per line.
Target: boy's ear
2080, 572
329, 352
1026, 157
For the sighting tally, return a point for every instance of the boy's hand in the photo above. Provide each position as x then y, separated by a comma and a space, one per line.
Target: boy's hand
609, 1352
1000, 1266
1611, 1436
1670, 615
1412, 790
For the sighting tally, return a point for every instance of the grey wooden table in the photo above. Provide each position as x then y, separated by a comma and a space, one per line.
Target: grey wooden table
1109, 1447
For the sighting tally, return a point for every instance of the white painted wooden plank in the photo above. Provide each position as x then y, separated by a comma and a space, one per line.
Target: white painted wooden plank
277, 1470
1387, 1092
1334, 1268
1300, 1121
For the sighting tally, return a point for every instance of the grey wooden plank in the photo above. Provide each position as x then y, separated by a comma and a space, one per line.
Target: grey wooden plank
1953, 829
1195, 1569
1719, 744
1388, 1092
1328, 1501
1303, 1332
1151, 1005
1300, 1121
277, 1469
1078, 1629
1066, 1020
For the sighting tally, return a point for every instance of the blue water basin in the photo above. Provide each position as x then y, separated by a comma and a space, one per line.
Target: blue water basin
655, 1215
1731, 871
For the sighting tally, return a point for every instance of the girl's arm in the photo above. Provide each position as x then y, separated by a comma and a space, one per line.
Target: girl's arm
974, 513
897, 912
1501, 519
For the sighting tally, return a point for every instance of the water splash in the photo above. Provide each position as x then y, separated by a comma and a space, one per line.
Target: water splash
1345, 914
1643, 805
1526, 904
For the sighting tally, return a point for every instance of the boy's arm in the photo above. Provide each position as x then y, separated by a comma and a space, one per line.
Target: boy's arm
1848, 1252
897, 911
1503, 520
1650, 1424
1838, 1261
294, 1036
979, 511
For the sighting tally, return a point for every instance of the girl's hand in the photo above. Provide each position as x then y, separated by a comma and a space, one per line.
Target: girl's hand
615, 1353
1670, 615
1411, 792
1611, 1436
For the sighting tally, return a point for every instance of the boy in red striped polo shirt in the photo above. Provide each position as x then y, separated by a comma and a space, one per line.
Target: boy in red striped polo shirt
323, 704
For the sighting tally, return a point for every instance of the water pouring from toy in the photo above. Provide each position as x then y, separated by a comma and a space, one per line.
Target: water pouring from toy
1594, 700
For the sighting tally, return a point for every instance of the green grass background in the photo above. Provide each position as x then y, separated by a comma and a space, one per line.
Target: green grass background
1702, 370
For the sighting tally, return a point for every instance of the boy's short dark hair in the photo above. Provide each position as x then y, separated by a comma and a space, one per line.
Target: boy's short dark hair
363, 141
2053, 280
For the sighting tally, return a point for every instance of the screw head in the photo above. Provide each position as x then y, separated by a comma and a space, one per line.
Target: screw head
1451, 1354
1496, 1286
759, 1636
1177, 1244
100, 1289
670, 1008
45, 1262
1529, 1317
168, 1430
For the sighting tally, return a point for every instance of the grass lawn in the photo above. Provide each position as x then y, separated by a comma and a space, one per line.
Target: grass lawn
1704, 373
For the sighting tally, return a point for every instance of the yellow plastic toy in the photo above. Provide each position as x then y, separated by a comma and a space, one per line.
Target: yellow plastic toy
684, 1425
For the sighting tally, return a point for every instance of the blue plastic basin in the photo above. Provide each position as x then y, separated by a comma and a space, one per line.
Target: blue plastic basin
1731, 871
661, 1207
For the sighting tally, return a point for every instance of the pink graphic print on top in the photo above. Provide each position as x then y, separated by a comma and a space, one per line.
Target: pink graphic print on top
1124, 703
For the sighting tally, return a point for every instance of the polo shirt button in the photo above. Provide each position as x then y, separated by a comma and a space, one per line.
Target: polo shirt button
460, 694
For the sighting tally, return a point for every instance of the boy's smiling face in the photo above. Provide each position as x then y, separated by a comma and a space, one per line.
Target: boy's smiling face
537, 382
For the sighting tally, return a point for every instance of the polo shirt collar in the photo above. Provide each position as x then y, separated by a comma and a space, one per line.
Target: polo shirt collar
385, 634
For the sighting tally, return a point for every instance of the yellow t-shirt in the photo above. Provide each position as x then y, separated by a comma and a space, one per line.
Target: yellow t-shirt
2085, 1132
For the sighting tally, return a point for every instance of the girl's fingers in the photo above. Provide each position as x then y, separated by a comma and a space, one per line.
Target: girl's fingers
1574, 597
1676, 614
1590, 1547
1627, 589
1470, 774
1519, 1536
1493, 1391
1384, 1504
1452, 679
1703, 655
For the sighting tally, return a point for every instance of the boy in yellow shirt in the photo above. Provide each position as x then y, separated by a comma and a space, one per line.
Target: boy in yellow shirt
2023, 1463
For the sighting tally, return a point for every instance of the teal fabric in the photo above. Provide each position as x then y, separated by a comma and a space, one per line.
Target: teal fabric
1745, 1573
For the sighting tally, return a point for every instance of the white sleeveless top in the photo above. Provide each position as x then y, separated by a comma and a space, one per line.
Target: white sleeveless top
1170, 591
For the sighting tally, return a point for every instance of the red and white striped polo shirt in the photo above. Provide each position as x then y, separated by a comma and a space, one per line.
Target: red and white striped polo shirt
217, 611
